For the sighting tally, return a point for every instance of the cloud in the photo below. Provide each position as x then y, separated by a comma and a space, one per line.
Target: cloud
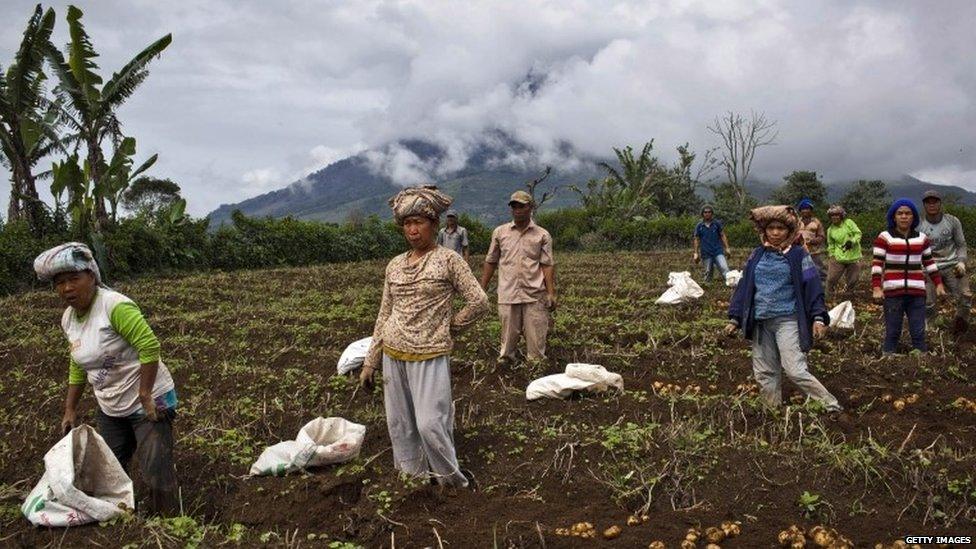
866, 89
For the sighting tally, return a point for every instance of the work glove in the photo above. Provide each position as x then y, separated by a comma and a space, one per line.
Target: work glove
848, 246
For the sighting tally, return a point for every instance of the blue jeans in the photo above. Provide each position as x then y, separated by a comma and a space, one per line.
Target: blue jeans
896, 309
712, 262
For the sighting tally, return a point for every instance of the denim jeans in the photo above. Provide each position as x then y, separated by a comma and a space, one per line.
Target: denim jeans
895, 310
712, 262
775, 351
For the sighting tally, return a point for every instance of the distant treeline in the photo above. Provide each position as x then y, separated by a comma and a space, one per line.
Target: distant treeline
139, 247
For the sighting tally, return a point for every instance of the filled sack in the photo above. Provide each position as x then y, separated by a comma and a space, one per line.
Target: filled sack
842, 316
682, 289
732, 278
577, 377
83, 482
322, 441
354, 355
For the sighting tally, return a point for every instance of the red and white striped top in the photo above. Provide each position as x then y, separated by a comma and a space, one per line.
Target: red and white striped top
900, 264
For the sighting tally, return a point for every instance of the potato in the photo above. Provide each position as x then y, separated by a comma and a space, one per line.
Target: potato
633, 521
613, 532
714, 535
656, 544
688, 545
886, 397
713, 546
912, 398
691, 536
899, 405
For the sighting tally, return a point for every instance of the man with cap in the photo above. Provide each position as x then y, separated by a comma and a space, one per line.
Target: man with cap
522, 253
711, 244
813, 233
453, 236
949, 250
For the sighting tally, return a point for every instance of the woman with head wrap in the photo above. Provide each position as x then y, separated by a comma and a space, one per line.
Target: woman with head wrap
843, 251
115, 350
413, 339
902, 259
779, 305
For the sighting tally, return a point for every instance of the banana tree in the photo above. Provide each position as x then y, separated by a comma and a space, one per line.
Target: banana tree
29, 120
118, 174
93, 104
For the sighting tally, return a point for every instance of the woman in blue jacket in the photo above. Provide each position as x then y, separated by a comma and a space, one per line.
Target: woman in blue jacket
779, 305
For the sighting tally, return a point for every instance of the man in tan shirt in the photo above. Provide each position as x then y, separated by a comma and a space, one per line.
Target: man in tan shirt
522, 253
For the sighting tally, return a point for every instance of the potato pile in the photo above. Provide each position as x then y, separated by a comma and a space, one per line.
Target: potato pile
899, 403
898, 544
747, 388
583, 530
819, 536
712, 535
965, 404
665, 389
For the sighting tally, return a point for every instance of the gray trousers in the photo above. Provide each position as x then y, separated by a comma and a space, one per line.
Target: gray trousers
776, 349
152, 442
420, 418
956, 287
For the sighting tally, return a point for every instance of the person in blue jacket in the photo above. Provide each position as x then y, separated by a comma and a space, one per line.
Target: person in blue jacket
779, 305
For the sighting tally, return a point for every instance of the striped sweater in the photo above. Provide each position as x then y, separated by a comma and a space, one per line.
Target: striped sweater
900, 264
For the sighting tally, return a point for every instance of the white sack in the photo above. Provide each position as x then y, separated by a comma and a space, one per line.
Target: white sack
83, 482
682, 288
732, 278
322, 441
354, 355
842, 316
578, 377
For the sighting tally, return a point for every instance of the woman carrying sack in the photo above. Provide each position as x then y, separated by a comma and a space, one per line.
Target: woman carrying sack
779, 305
114, 349
414, 337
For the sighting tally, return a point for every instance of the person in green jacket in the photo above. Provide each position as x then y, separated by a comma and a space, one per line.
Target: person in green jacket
843, 251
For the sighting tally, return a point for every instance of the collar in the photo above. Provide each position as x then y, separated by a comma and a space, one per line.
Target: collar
531, 225
938, 220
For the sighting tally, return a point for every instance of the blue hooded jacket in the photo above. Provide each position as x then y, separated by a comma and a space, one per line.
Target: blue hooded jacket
894, 208
809, 294
804, 203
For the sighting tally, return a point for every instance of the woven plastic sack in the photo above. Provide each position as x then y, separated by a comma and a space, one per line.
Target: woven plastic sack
577, 377
83, 482
354, 355
682, 289
732, 278
842, 316
322, 441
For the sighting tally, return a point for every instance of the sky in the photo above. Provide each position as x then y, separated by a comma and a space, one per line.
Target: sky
254, 95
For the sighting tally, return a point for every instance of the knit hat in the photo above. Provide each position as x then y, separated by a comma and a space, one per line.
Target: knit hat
804, 204
425, 200
894, 208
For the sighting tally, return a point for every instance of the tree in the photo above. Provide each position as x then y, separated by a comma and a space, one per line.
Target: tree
799, 185
28, 119
866, 196
729, 204
741, 138
149, 195
94, 108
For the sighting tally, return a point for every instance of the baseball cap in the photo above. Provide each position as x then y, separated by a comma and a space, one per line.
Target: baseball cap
520, 197
451, 213
931, 193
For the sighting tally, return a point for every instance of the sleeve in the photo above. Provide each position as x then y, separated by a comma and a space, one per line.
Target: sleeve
878, 260
386, 308
813, 293
464, 237
475, 299
696, 233
494, 249
718, 228
76, 374
928, 262
545, 254
831, 243
127, 320
959, 237
738, 301
854, 232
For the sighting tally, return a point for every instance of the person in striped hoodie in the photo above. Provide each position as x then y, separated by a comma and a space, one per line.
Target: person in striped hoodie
902, 258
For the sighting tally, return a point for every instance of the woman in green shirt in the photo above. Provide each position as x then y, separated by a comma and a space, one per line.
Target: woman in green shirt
843, 251
114, 349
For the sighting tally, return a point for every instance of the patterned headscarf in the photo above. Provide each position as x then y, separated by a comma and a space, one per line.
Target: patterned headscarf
764, 215
424, 200
837, 209
66, 258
